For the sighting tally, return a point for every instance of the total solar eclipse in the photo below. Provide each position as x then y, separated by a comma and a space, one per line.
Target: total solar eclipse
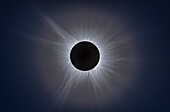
88, 57
84, 56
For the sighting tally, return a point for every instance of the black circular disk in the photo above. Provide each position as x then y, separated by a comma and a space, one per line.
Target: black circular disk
84, 56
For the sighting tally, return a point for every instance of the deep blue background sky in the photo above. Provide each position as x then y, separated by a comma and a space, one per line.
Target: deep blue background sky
20, 92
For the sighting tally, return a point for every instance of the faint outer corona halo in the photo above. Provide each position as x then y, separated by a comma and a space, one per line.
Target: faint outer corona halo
91, 57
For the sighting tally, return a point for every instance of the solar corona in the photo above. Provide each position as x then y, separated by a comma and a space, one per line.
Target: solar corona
91, 57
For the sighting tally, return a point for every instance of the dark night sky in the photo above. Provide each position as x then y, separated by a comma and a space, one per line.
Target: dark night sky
21, 93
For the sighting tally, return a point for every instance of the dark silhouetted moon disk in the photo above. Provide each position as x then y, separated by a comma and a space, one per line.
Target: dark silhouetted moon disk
84, 56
